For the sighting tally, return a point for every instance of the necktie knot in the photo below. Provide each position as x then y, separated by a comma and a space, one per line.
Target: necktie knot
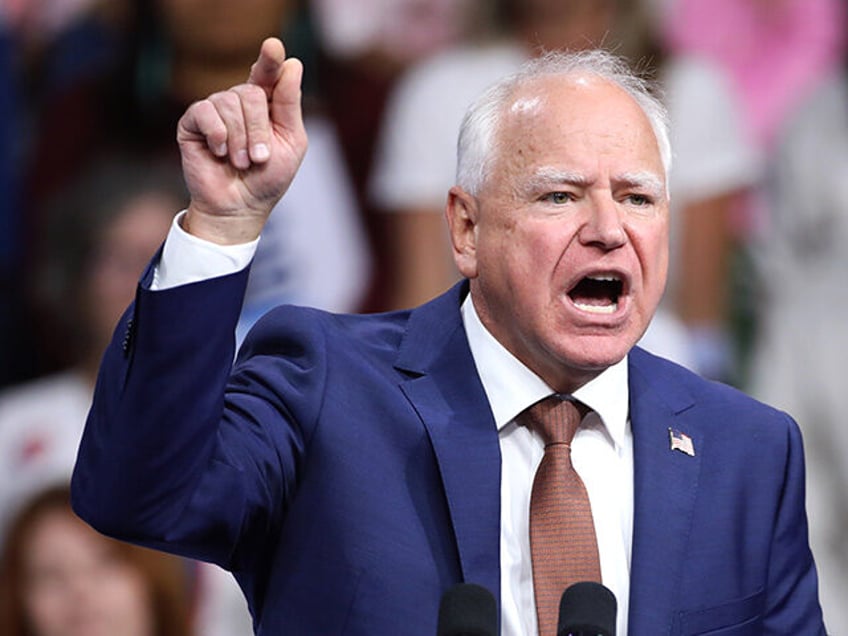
555, 418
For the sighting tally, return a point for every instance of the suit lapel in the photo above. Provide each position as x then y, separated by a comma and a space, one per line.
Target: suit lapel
447, 395
665, 487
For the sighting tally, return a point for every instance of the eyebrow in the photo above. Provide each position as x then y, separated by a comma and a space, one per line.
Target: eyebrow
647, 181
547, 175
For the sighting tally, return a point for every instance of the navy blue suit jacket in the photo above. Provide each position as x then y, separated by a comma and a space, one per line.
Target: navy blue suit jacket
347, 470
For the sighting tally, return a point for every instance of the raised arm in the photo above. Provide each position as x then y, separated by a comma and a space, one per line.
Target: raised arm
158, 432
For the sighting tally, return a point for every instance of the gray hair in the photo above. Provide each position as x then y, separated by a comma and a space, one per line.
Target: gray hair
475, 148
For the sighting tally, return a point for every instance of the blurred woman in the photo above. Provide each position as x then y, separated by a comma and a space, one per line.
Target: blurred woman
102, 232
59, 577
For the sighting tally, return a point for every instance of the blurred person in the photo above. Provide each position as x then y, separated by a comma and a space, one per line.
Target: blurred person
82, 49
363, 50
59, 46
37, 22
58, 577
102, 231
715, 170
399, 31
717, 167
798, 360
61, 41
351, 468
34, 65
773, 53
101, 235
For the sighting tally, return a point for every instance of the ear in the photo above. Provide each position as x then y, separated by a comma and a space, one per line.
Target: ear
462, 213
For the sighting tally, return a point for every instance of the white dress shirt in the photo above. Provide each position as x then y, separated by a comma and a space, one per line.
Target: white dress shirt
602, 450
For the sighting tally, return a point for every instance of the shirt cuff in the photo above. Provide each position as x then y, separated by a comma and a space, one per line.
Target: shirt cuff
189, 259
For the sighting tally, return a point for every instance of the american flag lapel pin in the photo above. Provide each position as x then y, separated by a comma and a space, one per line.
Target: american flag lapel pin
681, 442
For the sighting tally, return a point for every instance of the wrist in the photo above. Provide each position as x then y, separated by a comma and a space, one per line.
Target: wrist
187, 258
233, 229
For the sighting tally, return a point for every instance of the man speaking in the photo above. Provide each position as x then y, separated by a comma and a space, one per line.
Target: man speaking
350, 469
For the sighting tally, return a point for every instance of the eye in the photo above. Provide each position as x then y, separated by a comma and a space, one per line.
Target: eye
558, 198
640, 200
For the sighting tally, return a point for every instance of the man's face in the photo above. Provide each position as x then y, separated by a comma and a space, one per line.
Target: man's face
566, 244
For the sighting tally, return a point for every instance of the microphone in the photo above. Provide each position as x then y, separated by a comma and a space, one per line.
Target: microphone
587, 609
468, 609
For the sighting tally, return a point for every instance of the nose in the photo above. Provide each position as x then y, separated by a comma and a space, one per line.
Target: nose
603, 226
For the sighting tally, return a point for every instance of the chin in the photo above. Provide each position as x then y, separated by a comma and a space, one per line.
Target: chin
596, 353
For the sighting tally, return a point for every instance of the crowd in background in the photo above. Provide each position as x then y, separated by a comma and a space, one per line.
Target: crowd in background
90, 93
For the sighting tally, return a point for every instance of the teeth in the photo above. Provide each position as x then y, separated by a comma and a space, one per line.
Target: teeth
604, 278
597, 309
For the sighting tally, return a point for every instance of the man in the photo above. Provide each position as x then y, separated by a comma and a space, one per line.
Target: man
350, 469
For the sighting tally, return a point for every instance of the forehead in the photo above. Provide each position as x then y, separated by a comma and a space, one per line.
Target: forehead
578, 123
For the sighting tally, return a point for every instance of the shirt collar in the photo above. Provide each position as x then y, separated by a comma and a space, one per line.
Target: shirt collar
511, 387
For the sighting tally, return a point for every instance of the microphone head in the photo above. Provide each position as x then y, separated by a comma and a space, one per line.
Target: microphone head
587, 608
468, 609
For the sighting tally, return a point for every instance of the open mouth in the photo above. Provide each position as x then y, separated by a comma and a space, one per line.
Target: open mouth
598, 294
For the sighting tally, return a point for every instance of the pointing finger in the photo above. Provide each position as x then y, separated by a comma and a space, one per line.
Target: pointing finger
267, 69
286, 110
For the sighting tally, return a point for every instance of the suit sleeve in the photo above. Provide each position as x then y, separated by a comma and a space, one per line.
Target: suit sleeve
180, 454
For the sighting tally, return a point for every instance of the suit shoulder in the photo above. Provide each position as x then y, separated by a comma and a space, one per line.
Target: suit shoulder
682, 384
731, 420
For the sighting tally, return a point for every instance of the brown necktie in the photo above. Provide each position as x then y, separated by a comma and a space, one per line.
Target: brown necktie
563, 545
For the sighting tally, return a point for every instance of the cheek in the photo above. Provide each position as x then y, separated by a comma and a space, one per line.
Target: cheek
522, 260
661, 251
651, 242
520, 251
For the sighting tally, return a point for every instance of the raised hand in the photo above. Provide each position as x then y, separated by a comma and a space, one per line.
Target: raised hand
242, 147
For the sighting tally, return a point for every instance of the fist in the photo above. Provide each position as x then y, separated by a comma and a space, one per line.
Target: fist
241, 149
